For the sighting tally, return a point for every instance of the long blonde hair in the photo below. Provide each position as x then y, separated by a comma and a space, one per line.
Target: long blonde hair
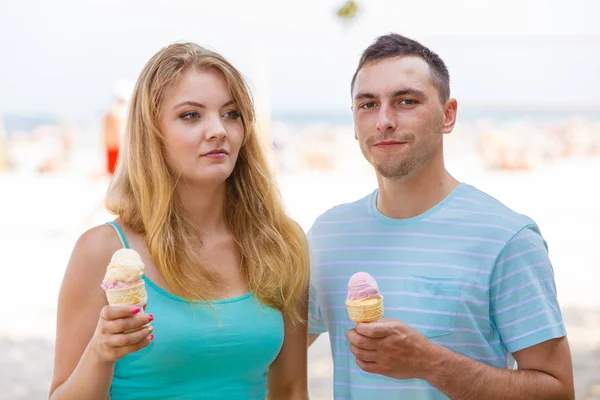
272, 247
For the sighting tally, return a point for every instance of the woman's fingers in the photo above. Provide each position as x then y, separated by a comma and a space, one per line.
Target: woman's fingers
130, 338
126, 324
111, 313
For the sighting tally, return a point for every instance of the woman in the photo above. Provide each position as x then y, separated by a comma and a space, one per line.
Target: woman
226, 268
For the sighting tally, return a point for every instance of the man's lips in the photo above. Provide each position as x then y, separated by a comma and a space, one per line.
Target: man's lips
389, 143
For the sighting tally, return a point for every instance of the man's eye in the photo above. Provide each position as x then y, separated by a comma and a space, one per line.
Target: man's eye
408, 102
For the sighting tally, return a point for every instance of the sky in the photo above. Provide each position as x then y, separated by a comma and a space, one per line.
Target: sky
63, 57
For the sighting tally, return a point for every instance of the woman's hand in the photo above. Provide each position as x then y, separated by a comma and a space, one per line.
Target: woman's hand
121, 330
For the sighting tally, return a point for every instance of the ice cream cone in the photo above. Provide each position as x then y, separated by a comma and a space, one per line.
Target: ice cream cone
134, 295
123, 281
369, 310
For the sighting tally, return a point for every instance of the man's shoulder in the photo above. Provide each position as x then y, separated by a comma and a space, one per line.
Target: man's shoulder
344, 213
486, 207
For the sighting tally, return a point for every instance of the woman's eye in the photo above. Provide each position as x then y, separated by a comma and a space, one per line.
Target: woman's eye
232, 114
190, 115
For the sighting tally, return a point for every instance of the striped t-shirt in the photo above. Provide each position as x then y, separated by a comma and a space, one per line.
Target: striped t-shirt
470, 274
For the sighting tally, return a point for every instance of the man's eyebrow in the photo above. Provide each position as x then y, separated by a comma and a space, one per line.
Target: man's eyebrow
397, 93
404, 92
364, 96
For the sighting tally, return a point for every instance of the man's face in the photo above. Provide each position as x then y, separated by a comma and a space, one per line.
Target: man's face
398, 116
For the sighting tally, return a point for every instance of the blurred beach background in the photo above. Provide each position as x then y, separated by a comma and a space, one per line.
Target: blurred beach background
526, 75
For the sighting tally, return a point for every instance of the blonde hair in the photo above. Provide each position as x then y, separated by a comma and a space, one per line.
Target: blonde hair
272, 247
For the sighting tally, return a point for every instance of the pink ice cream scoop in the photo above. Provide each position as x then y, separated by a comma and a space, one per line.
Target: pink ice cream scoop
362, 286
119, 284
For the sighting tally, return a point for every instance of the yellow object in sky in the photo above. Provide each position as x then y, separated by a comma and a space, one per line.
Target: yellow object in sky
348, 10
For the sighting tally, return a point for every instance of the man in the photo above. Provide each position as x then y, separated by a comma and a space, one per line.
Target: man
467, 282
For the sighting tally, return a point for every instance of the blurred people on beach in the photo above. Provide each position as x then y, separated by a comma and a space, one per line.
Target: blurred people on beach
3, 157
114, 124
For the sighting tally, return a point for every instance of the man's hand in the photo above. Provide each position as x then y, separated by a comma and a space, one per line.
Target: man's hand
391, 348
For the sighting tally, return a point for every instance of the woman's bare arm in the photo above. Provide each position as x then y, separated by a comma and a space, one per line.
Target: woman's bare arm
288, 373
84, 368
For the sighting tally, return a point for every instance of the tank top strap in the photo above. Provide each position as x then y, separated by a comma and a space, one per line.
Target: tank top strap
120, 233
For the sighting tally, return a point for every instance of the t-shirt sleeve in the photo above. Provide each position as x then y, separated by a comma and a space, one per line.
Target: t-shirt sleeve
315, 320
523, 299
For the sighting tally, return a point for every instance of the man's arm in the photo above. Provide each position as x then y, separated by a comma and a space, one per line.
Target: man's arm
312, 337
545, 372
394, 349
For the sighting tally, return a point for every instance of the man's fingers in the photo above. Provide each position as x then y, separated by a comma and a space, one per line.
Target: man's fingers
373, 330
367, 366
381, 328
363, 355
360, 341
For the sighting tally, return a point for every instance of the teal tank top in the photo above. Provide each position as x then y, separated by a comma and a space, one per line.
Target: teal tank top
201, 353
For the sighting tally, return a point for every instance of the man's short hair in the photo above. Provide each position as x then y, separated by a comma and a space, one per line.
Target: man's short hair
395, 45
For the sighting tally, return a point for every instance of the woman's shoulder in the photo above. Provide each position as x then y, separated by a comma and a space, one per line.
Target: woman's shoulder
99, 241
86, 268
93, 250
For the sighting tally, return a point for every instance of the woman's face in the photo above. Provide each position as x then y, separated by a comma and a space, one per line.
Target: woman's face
202, 127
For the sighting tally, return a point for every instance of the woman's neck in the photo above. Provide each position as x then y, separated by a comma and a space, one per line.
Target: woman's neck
203, 206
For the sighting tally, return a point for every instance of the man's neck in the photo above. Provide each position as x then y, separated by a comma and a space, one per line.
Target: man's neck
416, 193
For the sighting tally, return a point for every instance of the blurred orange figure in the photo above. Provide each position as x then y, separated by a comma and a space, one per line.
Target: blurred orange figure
114, 124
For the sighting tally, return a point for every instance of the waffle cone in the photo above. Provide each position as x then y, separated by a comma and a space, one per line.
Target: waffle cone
364, 312
132, 295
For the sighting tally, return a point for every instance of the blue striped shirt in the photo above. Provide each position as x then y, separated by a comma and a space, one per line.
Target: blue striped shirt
470, 274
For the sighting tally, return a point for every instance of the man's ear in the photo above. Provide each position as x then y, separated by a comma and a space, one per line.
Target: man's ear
450, 111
